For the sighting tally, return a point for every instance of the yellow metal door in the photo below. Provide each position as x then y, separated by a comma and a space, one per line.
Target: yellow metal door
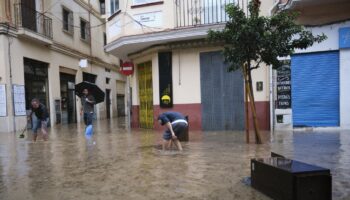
146, 94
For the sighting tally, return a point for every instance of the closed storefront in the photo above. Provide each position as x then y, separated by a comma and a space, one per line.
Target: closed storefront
315, 89
221, 93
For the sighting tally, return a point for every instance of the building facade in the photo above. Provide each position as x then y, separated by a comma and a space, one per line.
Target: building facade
318, 75
42, 43
176, 68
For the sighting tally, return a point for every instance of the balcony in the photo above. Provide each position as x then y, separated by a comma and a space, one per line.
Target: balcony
32, 24
316, 12
185, 20
200, 12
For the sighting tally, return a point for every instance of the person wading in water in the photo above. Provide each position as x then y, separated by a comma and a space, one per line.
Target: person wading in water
176, 124
42, 120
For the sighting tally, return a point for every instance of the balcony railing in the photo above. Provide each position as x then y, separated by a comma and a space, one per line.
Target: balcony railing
30, 19
200, 12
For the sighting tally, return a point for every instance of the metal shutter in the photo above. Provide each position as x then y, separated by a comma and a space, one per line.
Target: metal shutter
222, 94
315, 89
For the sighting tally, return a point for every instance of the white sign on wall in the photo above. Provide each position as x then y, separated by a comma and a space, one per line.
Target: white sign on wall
3, 103
114, 29
19, 100
138, 2
150, 19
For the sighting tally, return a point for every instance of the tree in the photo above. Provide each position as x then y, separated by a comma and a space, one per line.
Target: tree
251, 40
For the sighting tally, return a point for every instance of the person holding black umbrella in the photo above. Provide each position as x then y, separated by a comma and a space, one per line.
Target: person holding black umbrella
87, 109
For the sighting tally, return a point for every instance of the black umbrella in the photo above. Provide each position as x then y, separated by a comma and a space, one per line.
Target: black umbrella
93, 89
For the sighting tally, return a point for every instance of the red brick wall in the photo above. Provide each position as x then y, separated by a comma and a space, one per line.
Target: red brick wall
263, 113
194, 111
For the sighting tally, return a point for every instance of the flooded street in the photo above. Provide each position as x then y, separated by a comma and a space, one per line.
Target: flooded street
120, 164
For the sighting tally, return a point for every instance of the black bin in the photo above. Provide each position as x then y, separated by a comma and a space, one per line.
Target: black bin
183, 137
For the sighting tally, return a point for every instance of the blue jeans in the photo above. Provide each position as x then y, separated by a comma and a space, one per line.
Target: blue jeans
88, 118
39, 123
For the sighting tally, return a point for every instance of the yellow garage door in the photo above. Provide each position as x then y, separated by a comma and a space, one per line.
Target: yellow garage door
145, 94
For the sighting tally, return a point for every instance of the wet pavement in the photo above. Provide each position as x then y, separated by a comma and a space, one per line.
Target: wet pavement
119, 164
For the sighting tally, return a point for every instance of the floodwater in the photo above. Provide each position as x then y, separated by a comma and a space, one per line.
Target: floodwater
118, 164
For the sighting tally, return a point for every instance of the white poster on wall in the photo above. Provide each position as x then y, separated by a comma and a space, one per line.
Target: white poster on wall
138, 2
19, 100
149, 19
3, 103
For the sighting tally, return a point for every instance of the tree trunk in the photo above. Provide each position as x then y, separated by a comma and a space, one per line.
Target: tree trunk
246, 96
252, 104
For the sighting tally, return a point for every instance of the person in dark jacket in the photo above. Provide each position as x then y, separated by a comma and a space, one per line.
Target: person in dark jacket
42, 119
176, 124
87, 107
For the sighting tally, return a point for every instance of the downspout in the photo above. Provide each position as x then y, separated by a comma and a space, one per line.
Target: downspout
9, 39
272, 109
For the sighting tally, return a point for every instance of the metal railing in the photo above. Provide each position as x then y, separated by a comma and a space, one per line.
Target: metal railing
28, 18
200, 12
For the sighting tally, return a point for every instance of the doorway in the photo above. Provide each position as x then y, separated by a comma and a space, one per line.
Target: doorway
68, 105
108, 103
36, 82
29, 17
121, 105
146, 94
222, 94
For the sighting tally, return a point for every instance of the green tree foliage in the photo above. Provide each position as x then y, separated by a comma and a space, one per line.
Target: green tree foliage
251, 39
255, 39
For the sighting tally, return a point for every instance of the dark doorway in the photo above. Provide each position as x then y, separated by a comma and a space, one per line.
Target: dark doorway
28, 9
36, 82
108, 103
121, 105
68, 105
89, 77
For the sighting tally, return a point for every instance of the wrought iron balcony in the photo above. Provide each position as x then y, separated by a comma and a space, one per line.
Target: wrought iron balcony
32, 20
200, 12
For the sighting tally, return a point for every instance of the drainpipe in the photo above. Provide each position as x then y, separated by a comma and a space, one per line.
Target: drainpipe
272, 109
9, 39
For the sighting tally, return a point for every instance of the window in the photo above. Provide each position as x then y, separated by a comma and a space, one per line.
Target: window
84, 30
104, 39
102, 7
114, 6
67, 20
107, 80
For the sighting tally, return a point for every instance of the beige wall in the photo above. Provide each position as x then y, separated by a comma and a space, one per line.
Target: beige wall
124, 23
186, 76
74, 49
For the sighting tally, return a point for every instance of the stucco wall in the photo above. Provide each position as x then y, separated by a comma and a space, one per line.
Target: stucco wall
186, 76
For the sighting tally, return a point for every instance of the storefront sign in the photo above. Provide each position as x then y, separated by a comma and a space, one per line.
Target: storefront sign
150, 19
284, 87
19, 100
3, 102
344, 37
165, 80
127, 68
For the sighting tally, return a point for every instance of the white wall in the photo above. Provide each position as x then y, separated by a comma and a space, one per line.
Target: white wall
345, 88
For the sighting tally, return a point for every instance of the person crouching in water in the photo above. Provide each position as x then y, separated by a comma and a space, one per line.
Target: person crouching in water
42, 119
176, 124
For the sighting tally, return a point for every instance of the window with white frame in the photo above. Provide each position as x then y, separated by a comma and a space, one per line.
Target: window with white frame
68, 20
114, 6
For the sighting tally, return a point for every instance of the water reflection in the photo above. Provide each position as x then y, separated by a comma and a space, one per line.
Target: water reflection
115, 163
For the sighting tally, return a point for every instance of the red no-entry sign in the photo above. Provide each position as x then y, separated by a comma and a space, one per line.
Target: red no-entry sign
127, 68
